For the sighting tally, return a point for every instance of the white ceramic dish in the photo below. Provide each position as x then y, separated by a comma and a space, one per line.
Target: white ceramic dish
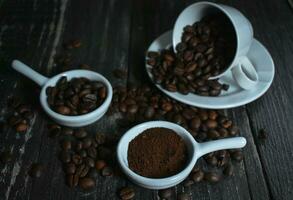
44, 82
195, 151
235, 96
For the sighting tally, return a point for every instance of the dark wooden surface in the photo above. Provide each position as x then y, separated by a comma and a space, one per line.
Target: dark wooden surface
116, 34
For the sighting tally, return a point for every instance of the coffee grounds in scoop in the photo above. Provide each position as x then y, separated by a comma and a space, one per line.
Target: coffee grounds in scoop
157, 153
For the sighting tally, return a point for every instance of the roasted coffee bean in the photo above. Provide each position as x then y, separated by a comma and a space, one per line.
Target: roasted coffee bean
78, 146
36, 170
212, 177
107, 171
76, 159
100, 138
87, 183
188, 182
80, 133
165, 193
100, 164
21, 127
223, 132
66, 145
70, 168
211, 123
149, 113
132, 109
233, 130
5, 156
214, 92
90, 162
65, 157
237, 156
171, 87
86, 143
213, 161
197, 176
126, 193
203, 115
92, 152
183, 196
67, 131
63, 110
229, 170
167, 106
195, 123
84, 171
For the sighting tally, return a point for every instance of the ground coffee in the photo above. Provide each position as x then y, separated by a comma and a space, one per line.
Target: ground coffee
157, 153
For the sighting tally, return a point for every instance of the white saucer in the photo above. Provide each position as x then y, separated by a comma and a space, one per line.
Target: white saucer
235, 96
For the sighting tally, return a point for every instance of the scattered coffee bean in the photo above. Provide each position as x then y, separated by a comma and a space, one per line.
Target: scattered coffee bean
87, 183
165, 194
198, 176
100, 164
237, 156
126, 193
80, 133
70, 168
107, 171
212, 177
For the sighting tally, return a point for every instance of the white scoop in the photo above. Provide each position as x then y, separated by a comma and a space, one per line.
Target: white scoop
195, 151
44, 82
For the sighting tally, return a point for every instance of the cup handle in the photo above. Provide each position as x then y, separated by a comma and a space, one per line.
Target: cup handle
229, 143
29, 72
245, 74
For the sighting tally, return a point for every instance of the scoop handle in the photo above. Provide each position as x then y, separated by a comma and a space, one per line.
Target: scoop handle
29, 72
229, 143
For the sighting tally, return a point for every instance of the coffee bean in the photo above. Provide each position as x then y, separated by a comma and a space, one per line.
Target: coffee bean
132, 109
183, 196
82, 153
198, 176
92, 152
167, 106
126, 193
70, 168
90, 162
100, 138
78, 145
171, 87
66, 145
80, 133
5, 156
149, 113
188, 182
195, 123
87, 183
237, 156
225, 87
67, 131
21, 127
76, 159
165, 193
84, 171
107, 171
212, 177
233, 130
63, 110
86, 143
100, 164
36, 170
152, 54
213, 161
228, 171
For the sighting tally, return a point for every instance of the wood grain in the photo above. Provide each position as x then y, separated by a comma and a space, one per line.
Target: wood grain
116, 34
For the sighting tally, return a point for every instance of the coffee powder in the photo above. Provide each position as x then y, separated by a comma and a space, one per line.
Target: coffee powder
157, 153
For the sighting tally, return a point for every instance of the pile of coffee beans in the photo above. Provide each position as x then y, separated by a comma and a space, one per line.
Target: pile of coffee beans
77, 96
21, 115
142, 103
206, 49
84, 156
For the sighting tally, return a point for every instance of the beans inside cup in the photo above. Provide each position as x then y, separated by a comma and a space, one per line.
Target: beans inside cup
77, 96
207, 49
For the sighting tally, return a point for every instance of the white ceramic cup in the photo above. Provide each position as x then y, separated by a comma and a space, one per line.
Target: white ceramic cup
44, 82
195, 151
242, 69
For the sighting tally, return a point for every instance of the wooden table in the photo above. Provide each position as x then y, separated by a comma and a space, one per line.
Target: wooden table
116, 34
